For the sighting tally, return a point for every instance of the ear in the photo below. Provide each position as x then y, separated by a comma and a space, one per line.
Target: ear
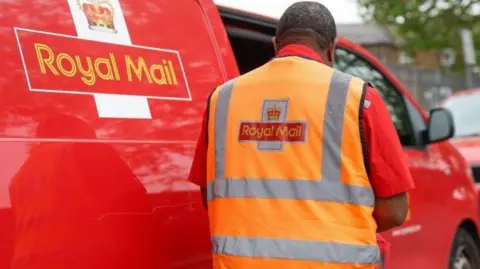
274, 41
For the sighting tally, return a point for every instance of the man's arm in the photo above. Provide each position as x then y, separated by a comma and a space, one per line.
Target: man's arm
390, 212
198, 172
388, 170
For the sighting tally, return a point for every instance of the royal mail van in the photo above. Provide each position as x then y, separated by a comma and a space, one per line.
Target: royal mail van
100, 107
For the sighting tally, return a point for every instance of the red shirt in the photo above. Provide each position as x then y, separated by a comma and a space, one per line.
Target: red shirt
388, 170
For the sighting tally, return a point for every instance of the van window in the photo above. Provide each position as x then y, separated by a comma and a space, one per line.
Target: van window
252, 49
353, 64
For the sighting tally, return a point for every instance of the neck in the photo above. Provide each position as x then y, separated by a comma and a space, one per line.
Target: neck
313, 49
322, 53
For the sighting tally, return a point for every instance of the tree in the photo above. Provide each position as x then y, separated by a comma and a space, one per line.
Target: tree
427, 25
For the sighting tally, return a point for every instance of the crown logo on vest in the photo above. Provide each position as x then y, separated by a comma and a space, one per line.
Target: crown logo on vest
99, 13
273, 113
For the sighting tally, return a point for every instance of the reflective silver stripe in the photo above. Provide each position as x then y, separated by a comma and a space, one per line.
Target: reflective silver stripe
221, 117
333, 126
296, 250
320, 190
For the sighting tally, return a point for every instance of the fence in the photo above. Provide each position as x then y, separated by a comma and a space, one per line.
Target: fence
430, 87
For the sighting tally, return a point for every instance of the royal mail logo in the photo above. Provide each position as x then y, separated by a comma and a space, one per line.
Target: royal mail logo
99, 13
273, 130
66, 64
101, 60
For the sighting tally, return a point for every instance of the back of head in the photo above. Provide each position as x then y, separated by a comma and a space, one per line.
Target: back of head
308, 23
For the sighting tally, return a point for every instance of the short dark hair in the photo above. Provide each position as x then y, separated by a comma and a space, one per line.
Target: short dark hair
304, 19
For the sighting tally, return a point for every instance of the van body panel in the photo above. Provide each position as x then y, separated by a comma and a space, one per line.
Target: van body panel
84, 183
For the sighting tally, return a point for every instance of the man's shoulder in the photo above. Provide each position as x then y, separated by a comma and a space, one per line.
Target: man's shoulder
346, 75
372, 94
359, 84
225, 84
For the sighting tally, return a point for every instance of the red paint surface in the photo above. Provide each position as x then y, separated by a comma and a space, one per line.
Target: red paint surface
77, 191
470, 148
105, 193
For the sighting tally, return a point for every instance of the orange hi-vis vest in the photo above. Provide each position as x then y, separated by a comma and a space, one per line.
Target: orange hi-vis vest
287, 185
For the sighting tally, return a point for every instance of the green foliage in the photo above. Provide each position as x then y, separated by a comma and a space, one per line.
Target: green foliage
426, 25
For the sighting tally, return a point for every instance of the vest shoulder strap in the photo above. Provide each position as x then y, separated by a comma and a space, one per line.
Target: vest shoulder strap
209, 100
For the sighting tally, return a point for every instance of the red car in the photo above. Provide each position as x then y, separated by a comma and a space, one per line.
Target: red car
100, 108
464, 106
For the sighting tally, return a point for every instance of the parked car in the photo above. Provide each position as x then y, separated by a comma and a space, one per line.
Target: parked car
464, 106
100, 107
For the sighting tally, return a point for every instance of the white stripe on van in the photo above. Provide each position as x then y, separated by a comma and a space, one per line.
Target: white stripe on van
111, 105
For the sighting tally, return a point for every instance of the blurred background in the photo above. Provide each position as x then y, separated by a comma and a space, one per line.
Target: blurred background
428, 44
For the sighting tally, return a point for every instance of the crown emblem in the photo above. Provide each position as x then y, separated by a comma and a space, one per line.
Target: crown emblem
273, 113
99, 14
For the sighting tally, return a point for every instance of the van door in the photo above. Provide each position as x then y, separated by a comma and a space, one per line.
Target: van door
411, 244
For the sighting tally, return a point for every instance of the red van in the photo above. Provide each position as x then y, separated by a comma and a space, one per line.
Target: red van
100, 108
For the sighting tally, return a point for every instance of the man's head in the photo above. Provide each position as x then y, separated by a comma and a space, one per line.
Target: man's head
308, 23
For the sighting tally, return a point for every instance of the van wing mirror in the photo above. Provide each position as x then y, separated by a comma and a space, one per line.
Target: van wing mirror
440, 125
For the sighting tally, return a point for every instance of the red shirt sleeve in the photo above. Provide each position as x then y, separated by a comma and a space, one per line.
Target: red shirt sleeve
388, 169
198, 172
